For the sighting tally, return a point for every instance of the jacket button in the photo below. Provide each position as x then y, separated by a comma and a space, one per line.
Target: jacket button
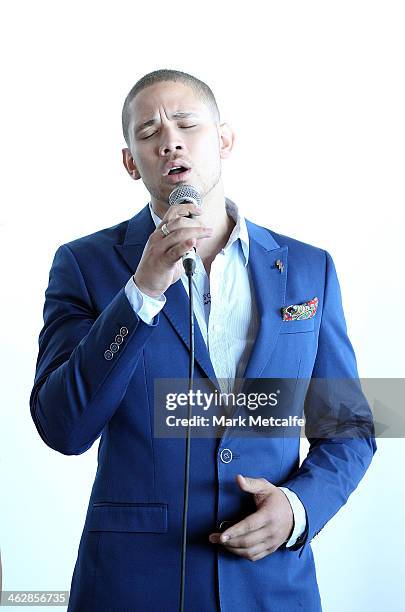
114, 347
119, 339
123, 331
226, 455
108, 355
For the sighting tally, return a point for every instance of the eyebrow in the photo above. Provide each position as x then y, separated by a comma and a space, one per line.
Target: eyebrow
176, 115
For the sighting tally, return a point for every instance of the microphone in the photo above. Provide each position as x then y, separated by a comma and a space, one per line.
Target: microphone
179, 195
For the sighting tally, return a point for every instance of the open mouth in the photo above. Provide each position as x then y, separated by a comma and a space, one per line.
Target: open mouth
177, 174
177, 170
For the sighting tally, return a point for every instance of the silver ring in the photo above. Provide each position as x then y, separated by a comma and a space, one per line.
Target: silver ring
165, 230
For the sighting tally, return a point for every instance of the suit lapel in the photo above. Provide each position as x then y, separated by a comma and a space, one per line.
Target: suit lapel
176, 310
177, 303
270, 287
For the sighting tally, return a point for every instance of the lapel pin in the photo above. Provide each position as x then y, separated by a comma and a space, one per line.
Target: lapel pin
280, 265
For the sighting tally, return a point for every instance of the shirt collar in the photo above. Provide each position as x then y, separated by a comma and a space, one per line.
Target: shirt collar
239, 231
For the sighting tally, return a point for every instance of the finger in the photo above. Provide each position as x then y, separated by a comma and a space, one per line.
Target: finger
252, 554
174, 254
176, 222
182, 210
265, 553
252, 539
261, 547
177, 251
181, 236
251, 523
183, 222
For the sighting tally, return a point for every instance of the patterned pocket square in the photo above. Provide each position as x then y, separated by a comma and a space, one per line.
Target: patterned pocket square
306, 310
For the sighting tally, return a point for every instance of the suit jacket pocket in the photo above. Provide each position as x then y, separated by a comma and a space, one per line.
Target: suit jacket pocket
296, 326
129, 517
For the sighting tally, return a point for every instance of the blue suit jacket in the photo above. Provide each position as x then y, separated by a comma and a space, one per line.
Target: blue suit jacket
129, 553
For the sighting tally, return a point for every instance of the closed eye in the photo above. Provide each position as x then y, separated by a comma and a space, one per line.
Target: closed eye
183, 127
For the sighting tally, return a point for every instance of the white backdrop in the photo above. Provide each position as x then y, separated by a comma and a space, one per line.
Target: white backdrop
315, 93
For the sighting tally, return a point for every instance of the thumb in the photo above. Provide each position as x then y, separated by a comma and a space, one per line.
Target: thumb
258, 486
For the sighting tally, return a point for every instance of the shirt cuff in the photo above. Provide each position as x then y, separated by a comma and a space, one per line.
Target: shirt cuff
145, 306
300, 519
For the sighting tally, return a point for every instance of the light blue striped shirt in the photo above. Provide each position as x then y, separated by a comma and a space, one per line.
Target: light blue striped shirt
226, 313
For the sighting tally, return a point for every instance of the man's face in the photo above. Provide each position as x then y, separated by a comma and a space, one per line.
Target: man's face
171, 126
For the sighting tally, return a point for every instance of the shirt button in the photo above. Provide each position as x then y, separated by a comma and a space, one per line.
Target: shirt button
226, 455
119, 339
108, 355
114, 347
123, 331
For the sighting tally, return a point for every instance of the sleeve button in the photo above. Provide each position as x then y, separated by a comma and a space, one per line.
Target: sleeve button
119, 339
114, 347
123, 331
108, 355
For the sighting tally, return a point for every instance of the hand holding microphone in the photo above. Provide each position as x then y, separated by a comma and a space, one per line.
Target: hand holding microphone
161, 263
180, 195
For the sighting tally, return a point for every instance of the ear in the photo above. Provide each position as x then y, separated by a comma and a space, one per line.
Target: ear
129, 164
227, 138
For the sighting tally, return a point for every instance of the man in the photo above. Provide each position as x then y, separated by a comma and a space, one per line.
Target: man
115, 320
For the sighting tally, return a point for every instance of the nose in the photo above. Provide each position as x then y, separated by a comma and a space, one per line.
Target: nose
170, 142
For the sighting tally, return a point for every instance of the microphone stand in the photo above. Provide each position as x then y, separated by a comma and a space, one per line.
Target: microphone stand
179, 195
189, 267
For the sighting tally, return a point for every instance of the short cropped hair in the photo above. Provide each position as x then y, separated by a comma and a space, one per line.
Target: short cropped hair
200, 88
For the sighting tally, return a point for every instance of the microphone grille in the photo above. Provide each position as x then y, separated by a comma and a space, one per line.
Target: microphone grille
185, 193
